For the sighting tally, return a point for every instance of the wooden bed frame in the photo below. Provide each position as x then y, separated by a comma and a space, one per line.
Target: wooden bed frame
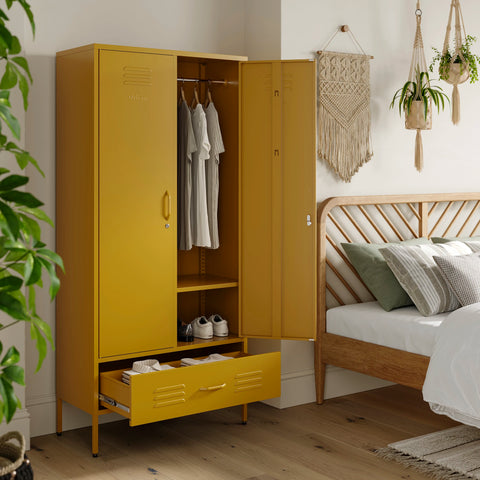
377, 219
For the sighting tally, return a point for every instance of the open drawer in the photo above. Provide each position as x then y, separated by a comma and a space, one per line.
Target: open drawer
155, 396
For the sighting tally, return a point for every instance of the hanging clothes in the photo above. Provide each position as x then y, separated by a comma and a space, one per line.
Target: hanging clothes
200, 229
217, 147
186, 147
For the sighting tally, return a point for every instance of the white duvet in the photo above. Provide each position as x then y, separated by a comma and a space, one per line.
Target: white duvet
452, 384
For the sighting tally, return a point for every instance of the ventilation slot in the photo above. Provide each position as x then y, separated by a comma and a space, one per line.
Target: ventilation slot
248, 381
137, 76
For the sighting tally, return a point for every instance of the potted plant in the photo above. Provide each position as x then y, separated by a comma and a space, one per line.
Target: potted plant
415, 98
23, 255
457, 68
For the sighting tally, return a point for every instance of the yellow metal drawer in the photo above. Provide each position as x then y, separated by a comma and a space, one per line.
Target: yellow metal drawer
186, 390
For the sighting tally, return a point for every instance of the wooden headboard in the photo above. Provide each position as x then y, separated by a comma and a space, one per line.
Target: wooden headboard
381, 219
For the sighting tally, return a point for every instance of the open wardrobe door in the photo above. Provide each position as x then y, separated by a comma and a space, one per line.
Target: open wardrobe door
278, 199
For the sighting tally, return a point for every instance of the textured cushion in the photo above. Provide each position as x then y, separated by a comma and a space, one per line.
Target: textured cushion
419, 275
377, 276
462, 273
457, 239
474, 245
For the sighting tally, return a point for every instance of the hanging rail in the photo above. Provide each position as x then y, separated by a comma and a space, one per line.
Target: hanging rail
219, 82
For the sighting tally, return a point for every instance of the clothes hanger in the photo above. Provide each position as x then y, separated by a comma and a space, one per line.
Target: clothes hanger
195, 100
182, 94
208, 99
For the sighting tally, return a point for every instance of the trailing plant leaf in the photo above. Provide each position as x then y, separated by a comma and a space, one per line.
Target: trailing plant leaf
445, 60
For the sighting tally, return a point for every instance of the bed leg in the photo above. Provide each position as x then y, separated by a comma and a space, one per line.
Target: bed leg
320, 368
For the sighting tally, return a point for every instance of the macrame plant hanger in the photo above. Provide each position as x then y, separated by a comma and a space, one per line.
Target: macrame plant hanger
457, 71
415, 119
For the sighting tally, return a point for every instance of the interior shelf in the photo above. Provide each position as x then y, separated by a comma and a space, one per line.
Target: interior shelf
195, 283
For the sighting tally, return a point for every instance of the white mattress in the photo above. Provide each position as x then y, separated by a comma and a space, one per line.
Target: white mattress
403, 328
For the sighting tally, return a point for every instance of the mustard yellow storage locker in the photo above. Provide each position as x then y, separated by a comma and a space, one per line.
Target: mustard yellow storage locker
126, 284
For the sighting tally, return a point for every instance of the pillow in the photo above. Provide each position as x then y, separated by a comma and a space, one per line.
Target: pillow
473, 245
374, 271
417, 272
462, 274
458, 239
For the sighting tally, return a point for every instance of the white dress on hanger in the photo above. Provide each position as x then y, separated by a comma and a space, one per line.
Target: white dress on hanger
200, 228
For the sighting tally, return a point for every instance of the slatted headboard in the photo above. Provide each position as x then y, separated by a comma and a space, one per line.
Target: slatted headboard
381, 219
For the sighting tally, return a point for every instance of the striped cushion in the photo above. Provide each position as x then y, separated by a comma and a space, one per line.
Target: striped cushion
462, 273
419, 275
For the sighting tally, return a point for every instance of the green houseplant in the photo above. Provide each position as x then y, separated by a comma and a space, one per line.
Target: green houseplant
23, 255
458, 69
415, 99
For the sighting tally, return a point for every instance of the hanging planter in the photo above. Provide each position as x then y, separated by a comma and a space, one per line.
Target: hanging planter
417, 96
457, 64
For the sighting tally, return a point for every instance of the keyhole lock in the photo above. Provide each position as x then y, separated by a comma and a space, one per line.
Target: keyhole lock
167, 225
309, 221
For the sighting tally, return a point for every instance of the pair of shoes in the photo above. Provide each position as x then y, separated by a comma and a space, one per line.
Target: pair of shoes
215, 325
184, 332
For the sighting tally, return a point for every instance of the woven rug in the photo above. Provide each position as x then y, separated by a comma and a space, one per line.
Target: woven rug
452, 454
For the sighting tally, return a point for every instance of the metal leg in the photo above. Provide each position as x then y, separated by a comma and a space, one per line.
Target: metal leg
59, 416
95, 435
244, 413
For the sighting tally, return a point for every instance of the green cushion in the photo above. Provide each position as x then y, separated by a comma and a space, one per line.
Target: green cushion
451, 239
374, 271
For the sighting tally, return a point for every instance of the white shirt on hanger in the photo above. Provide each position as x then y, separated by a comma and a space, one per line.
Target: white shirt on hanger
186, 147
217, 147
200, 229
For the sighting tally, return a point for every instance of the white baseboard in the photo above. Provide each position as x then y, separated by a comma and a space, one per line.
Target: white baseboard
20, 423
298, 388
42, 409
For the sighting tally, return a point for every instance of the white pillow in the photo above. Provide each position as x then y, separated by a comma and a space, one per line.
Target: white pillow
416, 271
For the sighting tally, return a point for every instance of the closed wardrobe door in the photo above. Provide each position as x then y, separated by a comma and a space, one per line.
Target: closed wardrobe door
137, 202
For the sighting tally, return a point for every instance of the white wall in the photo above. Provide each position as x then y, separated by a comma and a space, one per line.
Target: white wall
385, 29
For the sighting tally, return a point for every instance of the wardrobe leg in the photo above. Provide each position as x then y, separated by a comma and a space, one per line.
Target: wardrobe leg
244, 413
320, 381
95, 435
59, 416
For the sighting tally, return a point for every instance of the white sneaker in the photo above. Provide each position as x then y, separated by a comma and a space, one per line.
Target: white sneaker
220, 326
202, 328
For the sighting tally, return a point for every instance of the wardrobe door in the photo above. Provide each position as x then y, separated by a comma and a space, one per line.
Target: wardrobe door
278, 249
137, 202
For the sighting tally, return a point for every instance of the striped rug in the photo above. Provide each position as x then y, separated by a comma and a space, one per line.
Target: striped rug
452, 454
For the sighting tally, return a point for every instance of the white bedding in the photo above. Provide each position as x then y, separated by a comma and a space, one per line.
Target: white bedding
404, 328
452, 384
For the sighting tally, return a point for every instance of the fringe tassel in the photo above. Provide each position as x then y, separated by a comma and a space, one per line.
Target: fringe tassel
455, 105
344, 148
419, 151
431, 469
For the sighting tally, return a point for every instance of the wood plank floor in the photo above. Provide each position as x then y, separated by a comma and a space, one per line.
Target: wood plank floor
334, 441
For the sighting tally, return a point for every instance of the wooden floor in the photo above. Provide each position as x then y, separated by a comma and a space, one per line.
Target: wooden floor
334, 441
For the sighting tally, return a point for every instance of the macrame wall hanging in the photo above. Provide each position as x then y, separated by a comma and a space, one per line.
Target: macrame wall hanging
454, 67
344, 109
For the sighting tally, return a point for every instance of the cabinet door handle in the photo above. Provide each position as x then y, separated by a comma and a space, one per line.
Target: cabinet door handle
167, 205
213, 388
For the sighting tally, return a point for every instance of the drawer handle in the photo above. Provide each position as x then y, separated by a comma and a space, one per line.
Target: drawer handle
213, 388
167, 205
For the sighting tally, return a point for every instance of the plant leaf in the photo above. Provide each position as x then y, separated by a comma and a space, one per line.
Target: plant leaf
12, 306
11, 357
13, 181
10, 120
37, 213
15, 374
54, 257
22, 62
54, 280
11, 219
10, 283
41, 344
21, 198
9, 79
